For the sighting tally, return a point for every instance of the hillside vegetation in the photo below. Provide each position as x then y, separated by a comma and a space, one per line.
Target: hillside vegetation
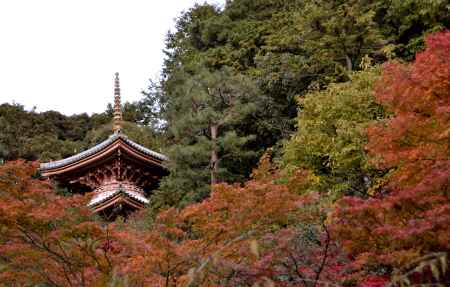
308, 145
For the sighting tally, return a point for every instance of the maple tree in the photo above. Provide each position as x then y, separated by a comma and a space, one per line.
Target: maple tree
45, 238
273, 230
410, 215
263, 232
56, 241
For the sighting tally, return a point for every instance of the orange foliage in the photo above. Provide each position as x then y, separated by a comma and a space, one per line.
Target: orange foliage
260, 232
54, 240
413, 219
248, 234
267, 231
44, 238
415, 140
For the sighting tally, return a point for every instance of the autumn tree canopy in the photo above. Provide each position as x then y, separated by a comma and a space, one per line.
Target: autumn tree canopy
409, 219
344, 104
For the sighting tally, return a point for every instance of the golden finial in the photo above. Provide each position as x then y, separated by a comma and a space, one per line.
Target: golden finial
117, 122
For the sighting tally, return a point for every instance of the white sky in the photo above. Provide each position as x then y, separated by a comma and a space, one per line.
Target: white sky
62, 54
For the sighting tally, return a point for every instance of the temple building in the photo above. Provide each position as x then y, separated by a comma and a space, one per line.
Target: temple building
119, 173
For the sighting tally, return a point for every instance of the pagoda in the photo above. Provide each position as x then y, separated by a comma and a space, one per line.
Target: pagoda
119, 173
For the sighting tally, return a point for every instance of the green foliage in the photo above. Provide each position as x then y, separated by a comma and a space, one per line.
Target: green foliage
45, 136
331, 135
50, 135
151, 107
233, 82
49, 147
405, 23
131, 112
337, 34
202, 115
141, 134
287, 49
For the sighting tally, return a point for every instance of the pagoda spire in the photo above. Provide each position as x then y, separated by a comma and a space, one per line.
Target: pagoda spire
117, 121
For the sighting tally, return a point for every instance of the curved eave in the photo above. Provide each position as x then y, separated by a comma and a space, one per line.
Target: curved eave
118, 198
103, 150
104, 197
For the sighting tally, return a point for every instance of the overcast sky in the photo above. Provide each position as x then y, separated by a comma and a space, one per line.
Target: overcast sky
62, 54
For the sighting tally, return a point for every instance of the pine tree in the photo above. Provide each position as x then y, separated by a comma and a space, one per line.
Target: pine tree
202, 115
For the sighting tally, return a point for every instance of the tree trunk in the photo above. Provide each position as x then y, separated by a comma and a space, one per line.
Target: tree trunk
214, 155
349, 63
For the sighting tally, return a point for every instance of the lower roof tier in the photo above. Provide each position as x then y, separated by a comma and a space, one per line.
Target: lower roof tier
115, 193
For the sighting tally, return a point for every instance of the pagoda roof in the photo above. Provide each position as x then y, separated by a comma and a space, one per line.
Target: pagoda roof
98, 149
104, 196
114, 193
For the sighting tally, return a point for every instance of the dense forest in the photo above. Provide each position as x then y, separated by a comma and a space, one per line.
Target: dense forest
308, 144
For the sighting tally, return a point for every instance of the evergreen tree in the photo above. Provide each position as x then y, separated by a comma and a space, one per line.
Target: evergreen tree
202, 115
151, 107
405, 24
338, 34
286, 48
